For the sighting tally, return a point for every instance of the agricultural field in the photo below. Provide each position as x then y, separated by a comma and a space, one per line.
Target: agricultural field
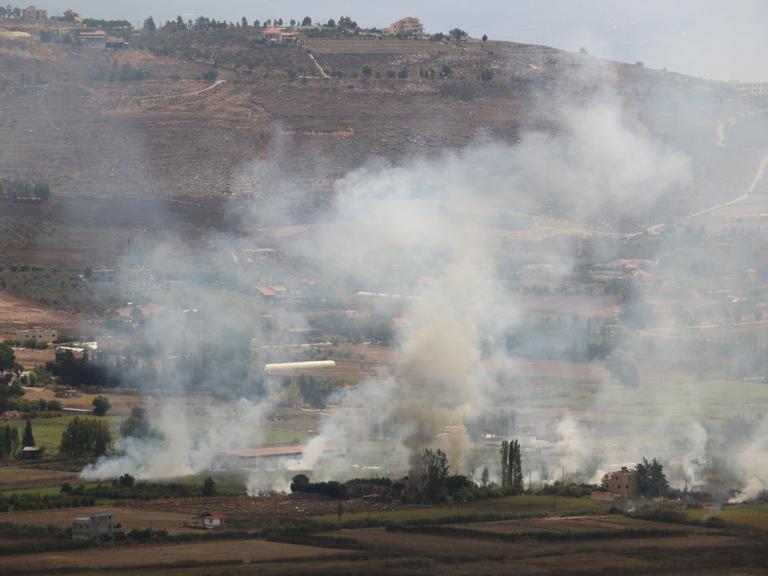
129, 518
48, 431
205, 553
744, 515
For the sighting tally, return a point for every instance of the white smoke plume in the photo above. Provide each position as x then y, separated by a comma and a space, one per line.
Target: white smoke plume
441, 217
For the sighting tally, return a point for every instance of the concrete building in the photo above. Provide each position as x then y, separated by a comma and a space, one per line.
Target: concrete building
37, 334
98, 526
98, 40
622, 483
213, 521
99, 275
279, 36
33, 13
408, 26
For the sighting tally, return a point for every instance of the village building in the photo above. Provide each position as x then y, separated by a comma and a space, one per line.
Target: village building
115, 43
34, 13
32, 453
101, 275
279, 36
98, 526
619, 484
213, 521
96, 39
408, 26
37, 334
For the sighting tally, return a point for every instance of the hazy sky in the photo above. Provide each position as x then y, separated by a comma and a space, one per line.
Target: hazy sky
726, 40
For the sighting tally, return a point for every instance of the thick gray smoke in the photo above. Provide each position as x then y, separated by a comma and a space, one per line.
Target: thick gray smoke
452, 219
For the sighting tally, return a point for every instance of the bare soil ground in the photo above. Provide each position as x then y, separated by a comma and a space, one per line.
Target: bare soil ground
258, 512
32, 358
18, 314
443, 546
163, 555
14, 477
130, 518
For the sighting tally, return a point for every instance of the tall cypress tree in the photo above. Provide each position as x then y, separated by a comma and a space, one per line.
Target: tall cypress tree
504, 464
29, 438
516, 468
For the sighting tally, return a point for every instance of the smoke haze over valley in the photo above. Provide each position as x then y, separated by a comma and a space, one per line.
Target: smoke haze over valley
328, 276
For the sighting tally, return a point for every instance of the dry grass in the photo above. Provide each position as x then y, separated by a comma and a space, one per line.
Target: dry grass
14, 477
18, 314
162, 555
130, 518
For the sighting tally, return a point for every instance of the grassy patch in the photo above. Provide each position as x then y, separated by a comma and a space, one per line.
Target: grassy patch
746, 515
595, 562
48, 431
501, 508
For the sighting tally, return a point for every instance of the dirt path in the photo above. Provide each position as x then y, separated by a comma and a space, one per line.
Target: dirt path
317, 65
213, 86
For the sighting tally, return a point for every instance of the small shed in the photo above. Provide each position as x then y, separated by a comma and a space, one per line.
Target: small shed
31, 453
213, 520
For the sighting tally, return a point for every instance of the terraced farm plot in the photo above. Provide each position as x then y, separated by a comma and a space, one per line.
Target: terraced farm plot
130, 518
747, 516
18, 477
170, 555
566, 525
462, 547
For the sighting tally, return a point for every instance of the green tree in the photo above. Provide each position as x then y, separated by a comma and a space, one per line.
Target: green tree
431, 472
457, 34
209, 487
367, 70
487, 74
9, 440
101, 405
651, 480
85, 437
515, 468
137, 426
307, 21
7, 357
511, 467
29, 437
244, 22
149, 25
504, 464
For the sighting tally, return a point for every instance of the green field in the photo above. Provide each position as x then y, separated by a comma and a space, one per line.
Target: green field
511, 506
745, 515
48, 431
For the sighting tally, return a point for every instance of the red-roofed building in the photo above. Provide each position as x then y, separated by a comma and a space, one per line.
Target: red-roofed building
279, 36
213, 521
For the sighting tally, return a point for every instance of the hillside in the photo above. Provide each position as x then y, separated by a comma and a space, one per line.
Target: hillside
146, 139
